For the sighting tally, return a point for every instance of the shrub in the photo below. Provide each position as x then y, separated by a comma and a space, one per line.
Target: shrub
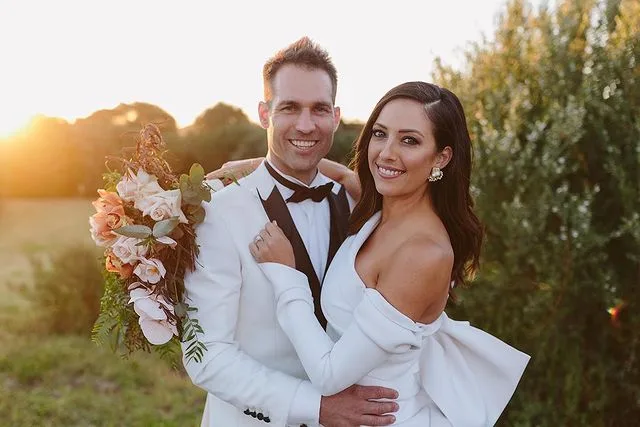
66, 290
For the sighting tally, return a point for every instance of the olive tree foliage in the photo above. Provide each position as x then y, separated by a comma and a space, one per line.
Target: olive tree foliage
552, 101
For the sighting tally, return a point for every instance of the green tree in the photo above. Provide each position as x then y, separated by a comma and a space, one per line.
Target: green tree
553, 106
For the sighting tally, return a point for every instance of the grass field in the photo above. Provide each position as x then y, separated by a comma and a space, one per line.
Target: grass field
66, 380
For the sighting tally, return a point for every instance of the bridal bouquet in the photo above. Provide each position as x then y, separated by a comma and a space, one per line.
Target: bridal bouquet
145, 218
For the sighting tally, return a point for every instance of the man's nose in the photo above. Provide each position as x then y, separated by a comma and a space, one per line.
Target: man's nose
305, 122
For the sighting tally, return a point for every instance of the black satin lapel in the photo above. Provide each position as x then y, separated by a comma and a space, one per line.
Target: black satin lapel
339, 212
276, 209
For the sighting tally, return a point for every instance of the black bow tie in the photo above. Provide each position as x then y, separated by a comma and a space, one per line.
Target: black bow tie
300, 192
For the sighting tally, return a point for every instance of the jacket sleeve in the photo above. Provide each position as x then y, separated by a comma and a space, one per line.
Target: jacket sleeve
225, 371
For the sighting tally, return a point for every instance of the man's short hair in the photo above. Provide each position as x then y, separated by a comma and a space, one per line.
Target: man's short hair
303, 53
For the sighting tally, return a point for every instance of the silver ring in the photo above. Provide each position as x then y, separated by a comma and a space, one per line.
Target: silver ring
258, 239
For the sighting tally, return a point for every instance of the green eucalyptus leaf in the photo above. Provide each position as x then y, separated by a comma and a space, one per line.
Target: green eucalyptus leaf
205, 194
191, 197
180, 309
137, 231
196, 173
164, 227
197, 216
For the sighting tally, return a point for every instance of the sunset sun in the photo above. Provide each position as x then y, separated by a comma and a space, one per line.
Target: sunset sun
12, 124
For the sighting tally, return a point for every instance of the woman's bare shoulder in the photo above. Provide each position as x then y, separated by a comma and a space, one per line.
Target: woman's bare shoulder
416, 278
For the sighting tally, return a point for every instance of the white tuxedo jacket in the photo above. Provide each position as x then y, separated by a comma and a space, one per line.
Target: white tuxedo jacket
250, 370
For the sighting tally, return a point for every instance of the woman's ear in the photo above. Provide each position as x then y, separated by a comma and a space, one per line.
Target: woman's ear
444, 157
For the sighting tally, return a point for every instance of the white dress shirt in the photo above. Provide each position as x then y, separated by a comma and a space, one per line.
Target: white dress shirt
312, 219
313, 222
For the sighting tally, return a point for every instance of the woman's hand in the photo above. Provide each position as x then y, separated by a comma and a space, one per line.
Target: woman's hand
235, 169
271, 245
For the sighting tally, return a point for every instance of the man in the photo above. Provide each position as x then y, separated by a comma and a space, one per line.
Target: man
250, 370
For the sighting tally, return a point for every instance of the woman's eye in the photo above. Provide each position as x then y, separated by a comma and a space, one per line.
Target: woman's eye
410, 140
377, 133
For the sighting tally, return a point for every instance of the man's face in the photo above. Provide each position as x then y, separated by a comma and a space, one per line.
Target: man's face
300, 120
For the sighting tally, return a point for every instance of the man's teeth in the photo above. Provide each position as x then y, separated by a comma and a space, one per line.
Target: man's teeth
303, 144
389, 172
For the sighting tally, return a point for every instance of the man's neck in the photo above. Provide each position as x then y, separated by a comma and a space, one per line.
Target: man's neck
304, 180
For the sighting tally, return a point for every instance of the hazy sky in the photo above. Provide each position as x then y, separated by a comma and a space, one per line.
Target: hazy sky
70, 58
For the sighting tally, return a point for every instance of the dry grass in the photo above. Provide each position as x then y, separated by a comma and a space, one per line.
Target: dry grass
65, 380
32, 226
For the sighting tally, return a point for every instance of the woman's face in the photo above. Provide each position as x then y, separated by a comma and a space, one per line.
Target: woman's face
402, 149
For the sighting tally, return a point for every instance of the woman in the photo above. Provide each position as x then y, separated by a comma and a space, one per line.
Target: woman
413, 233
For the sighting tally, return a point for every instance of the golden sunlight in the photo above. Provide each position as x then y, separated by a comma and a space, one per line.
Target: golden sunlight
12, 124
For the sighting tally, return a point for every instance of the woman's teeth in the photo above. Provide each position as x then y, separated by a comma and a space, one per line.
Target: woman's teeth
303, 144
391, 173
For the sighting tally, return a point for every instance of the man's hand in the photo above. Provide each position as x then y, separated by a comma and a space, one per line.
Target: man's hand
353, 407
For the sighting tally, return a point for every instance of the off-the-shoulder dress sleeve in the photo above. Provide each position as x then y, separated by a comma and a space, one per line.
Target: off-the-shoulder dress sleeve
469, 374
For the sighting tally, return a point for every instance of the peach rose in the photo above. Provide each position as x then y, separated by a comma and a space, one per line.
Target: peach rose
110, 215
114, 265
108, 202
102, 226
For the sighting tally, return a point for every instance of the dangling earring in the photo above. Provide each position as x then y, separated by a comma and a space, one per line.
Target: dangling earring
436, 174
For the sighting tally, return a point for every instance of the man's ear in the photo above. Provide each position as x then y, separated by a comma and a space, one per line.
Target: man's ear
336, 118
263, 114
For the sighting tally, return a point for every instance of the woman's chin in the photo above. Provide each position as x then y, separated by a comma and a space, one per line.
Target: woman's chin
386, 190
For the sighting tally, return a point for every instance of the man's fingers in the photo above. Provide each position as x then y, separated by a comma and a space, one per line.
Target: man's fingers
375, 420
379, 408
373, 392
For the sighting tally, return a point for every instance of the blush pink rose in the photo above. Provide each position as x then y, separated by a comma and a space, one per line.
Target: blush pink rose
150, 270
133, 187
162, 205
128, 250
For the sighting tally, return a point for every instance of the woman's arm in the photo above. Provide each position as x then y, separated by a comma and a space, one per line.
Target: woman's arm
343, 175
235, 169
334, 170
367, 342
378, 329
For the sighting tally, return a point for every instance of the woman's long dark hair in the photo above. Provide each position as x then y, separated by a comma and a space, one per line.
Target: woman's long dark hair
450, 195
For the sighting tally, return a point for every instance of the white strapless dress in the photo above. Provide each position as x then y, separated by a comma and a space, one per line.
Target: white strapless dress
447, 373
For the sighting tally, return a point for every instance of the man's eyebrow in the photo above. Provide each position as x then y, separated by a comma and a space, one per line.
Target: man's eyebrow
288, 102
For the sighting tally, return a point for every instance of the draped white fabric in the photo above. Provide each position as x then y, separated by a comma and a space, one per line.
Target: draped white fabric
447, 373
